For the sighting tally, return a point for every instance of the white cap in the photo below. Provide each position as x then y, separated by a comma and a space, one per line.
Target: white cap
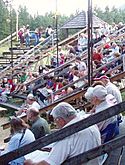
63, 110
5, 78
30, 96
89, 93
100, 92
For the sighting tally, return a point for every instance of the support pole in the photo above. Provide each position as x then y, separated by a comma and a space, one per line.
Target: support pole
17, 23
11, 32
90, 47
91, 21
57, 46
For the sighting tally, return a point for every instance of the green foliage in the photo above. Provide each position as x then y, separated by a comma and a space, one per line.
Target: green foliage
111, 16
4, 28
24, 17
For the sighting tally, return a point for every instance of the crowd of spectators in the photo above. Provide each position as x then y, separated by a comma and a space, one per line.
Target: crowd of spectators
101, 95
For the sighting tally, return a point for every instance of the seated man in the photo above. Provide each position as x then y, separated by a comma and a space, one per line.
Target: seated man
39, 126
64, 115
30, 103
99, 97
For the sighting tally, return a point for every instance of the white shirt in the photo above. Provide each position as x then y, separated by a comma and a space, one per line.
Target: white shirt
34, 105
81, 66
102, 106
75, 144
113, 89
115, 50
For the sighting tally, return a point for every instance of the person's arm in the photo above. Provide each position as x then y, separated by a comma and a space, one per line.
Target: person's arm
29, 162
63, 148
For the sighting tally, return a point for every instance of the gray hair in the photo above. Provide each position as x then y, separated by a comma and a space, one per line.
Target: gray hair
63, 110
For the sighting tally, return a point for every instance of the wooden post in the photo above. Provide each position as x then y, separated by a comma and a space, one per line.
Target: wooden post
91, 40
67, 33
89, 44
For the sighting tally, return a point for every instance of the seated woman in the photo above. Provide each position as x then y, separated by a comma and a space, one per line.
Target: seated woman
20, 136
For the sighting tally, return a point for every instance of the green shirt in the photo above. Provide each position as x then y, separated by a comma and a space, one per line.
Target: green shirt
22, 78
40, 127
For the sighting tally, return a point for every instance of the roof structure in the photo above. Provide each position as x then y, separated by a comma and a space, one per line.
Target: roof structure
80, 21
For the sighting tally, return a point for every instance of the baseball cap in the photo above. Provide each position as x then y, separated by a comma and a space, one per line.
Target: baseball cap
100, 92
89, 93
30, 96
100, 78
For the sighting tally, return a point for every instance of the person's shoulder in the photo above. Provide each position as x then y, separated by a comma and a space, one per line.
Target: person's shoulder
15, 137
29, 133
35, 105
40, 121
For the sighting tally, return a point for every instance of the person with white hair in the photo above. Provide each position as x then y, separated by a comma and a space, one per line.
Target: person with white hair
97, 95
64, 115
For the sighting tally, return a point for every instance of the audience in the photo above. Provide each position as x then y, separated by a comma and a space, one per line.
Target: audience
64, 115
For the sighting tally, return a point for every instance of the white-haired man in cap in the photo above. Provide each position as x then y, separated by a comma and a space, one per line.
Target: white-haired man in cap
39, 126
30, 103
64, 115
111, 88
98, 97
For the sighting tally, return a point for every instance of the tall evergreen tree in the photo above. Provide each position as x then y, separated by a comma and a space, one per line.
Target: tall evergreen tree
4, 20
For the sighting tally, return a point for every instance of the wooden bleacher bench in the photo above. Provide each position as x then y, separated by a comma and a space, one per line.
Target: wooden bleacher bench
69, 98
10, 106
15, 53
76, 35
61, 43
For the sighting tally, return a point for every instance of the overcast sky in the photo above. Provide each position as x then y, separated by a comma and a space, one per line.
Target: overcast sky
64, 6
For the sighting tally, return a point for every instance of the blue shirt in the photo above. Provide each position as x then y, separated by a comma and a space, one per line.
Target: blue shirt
14, 144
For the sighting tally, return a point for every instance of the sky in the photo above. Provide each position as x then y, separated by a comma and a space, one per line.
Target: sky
66, 7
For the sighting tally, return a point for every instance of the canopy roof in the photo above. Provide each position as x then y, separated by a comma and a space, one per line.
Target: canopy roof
80, 21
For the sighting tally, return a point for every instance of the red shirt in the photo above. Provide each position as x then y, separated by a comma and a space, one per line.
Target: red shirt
97, 57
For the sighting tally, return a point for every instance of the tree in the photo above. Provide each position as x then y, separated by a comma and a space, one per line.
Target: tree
4, 16
115, 15
24, 17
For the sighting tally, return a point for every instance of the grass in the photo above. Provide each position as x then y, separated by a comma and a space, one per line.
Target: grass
4, 48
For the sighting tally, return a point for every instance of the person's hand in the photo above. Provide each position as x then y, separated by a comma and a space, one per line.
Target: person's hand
28, 162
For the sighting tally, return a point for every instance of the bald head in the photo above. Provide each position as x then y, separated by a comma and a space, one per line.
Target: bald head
32, 113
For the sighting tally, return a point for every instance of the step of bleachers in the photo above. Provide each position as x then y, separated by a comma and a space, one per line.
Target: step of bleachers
18, 48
